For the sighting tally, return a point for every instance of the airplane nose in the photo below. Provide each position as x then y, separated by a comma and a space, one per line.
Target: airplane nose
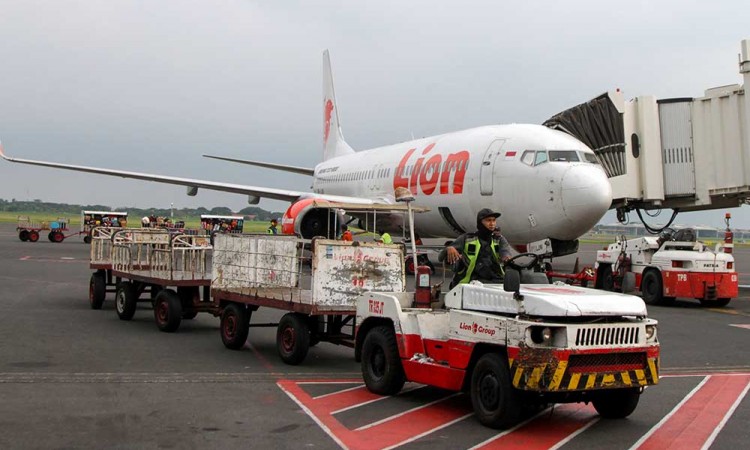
586, 196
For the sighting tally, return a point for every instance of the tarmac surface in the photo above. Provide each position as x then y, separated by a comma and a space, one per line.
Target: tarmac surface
73, 377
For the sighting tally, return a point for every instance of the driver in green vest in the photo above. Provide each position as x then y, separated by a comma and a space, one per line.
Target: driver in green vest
479, 255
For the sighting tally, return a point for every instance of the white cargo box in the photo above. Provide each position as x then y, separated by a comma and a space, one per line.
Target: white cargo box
269, 267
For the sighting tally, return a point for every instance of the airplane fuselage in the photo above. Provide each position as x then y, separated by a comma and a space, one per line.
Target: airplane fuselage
545, 183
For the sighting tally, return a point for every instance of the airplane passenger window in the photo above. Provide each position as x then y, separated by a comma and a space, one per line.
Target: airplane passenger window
528, 157
541, 158
563, 155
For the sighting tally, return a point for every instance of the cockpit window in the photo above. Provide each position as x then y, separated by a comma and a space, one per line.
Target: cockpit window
541, 157
528, 157
563, 155
590, 157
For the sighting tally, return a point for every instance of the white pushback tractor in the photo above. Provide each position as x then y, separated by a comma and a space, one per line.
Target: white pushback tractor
670, 266
512, 347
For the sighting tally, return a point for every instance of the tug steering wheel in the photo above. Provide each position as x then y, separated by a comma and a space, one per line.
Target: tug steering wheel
523, 266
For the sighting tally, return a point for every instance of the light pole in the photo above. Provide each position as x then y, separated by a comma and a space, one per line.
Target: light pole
171, 210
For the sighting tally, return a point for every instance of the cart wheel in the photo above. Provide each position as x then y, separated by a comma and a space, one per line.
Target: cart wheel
57, 236
235, 325
293, 338
381, 363
616, 403
496, 402
50, 236
33, 236
168, 310
97, 290
87, 239
23, 235
126, 300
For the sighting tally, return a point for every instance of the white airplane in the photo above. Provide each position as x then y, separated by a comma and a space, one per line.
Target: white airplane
546, 183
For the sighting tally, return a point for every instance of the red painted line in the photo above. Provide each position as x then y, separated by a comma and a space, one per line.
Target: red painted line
694, 421
346, 399
543, 431
263, 360
388, 433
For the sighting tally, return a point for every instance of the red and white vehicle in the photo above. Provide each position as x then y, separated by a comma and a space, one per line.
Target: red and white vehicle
670, 266
513, 347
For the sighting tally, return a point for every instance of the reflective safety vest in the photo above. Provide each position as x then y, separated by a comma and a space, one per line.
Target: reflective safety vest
471, 251
272, 230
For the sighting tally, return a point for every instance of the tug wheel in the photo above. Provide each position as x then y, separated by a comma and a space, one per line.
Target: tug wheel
719, 302
293, 338
496, 402
652, 288
33, 236
23, 235
616, 403
381, 363
604, 279
235, 325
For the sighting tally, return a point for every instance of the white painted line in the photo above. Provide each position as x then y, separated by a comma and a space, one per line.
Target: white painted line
724, 420
509, 430
313, 417
575, 433
412, 439
337, 392
671, 413
388, 419
411, 388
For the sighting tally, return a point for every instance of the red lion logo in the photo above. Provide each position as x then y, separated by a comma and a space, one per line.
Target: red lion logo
474, 328
327, 112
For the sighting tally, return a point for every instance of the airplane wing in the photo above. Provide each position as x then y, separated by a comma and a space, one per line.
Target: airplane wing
267, 165
264, 192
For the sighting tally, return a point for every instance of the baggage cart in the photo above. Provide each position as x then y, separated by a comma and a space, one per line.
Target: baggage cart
174, 269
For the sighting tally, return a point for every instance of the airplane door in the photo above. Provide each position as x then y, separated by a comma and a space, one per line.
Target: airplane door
486, 172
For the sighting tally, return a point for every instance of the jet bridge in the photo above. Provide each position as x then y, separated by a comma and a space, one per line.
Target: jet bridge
687, 154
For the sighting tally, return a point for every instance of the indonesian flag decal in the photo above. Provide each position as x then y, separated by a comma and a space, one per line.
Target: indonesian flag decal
510, 155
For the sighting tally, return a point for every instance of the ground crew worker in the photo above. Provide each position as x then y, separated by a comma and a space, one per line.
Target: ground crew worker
346, 235
272, 229
479, 255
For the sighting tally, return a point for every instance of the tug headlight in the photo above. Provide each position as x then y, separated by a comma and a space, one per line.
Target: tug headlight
650, 332
541, 335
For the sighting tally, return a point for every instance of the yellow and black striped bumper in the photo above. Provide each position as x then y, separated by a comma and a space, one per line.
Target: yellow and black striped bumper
555, 370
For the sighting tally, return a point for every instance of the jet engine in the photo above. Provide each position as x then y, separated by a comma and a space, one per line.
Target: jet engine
302, 218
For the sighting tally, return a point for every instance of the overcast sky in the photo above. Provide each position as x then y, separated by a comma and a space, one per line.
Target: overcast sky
151, 85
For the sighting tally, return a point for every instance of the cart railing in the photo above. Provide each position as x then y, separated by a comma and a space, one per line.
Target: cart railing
155, 253
272, 266
25, 222
102, 243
